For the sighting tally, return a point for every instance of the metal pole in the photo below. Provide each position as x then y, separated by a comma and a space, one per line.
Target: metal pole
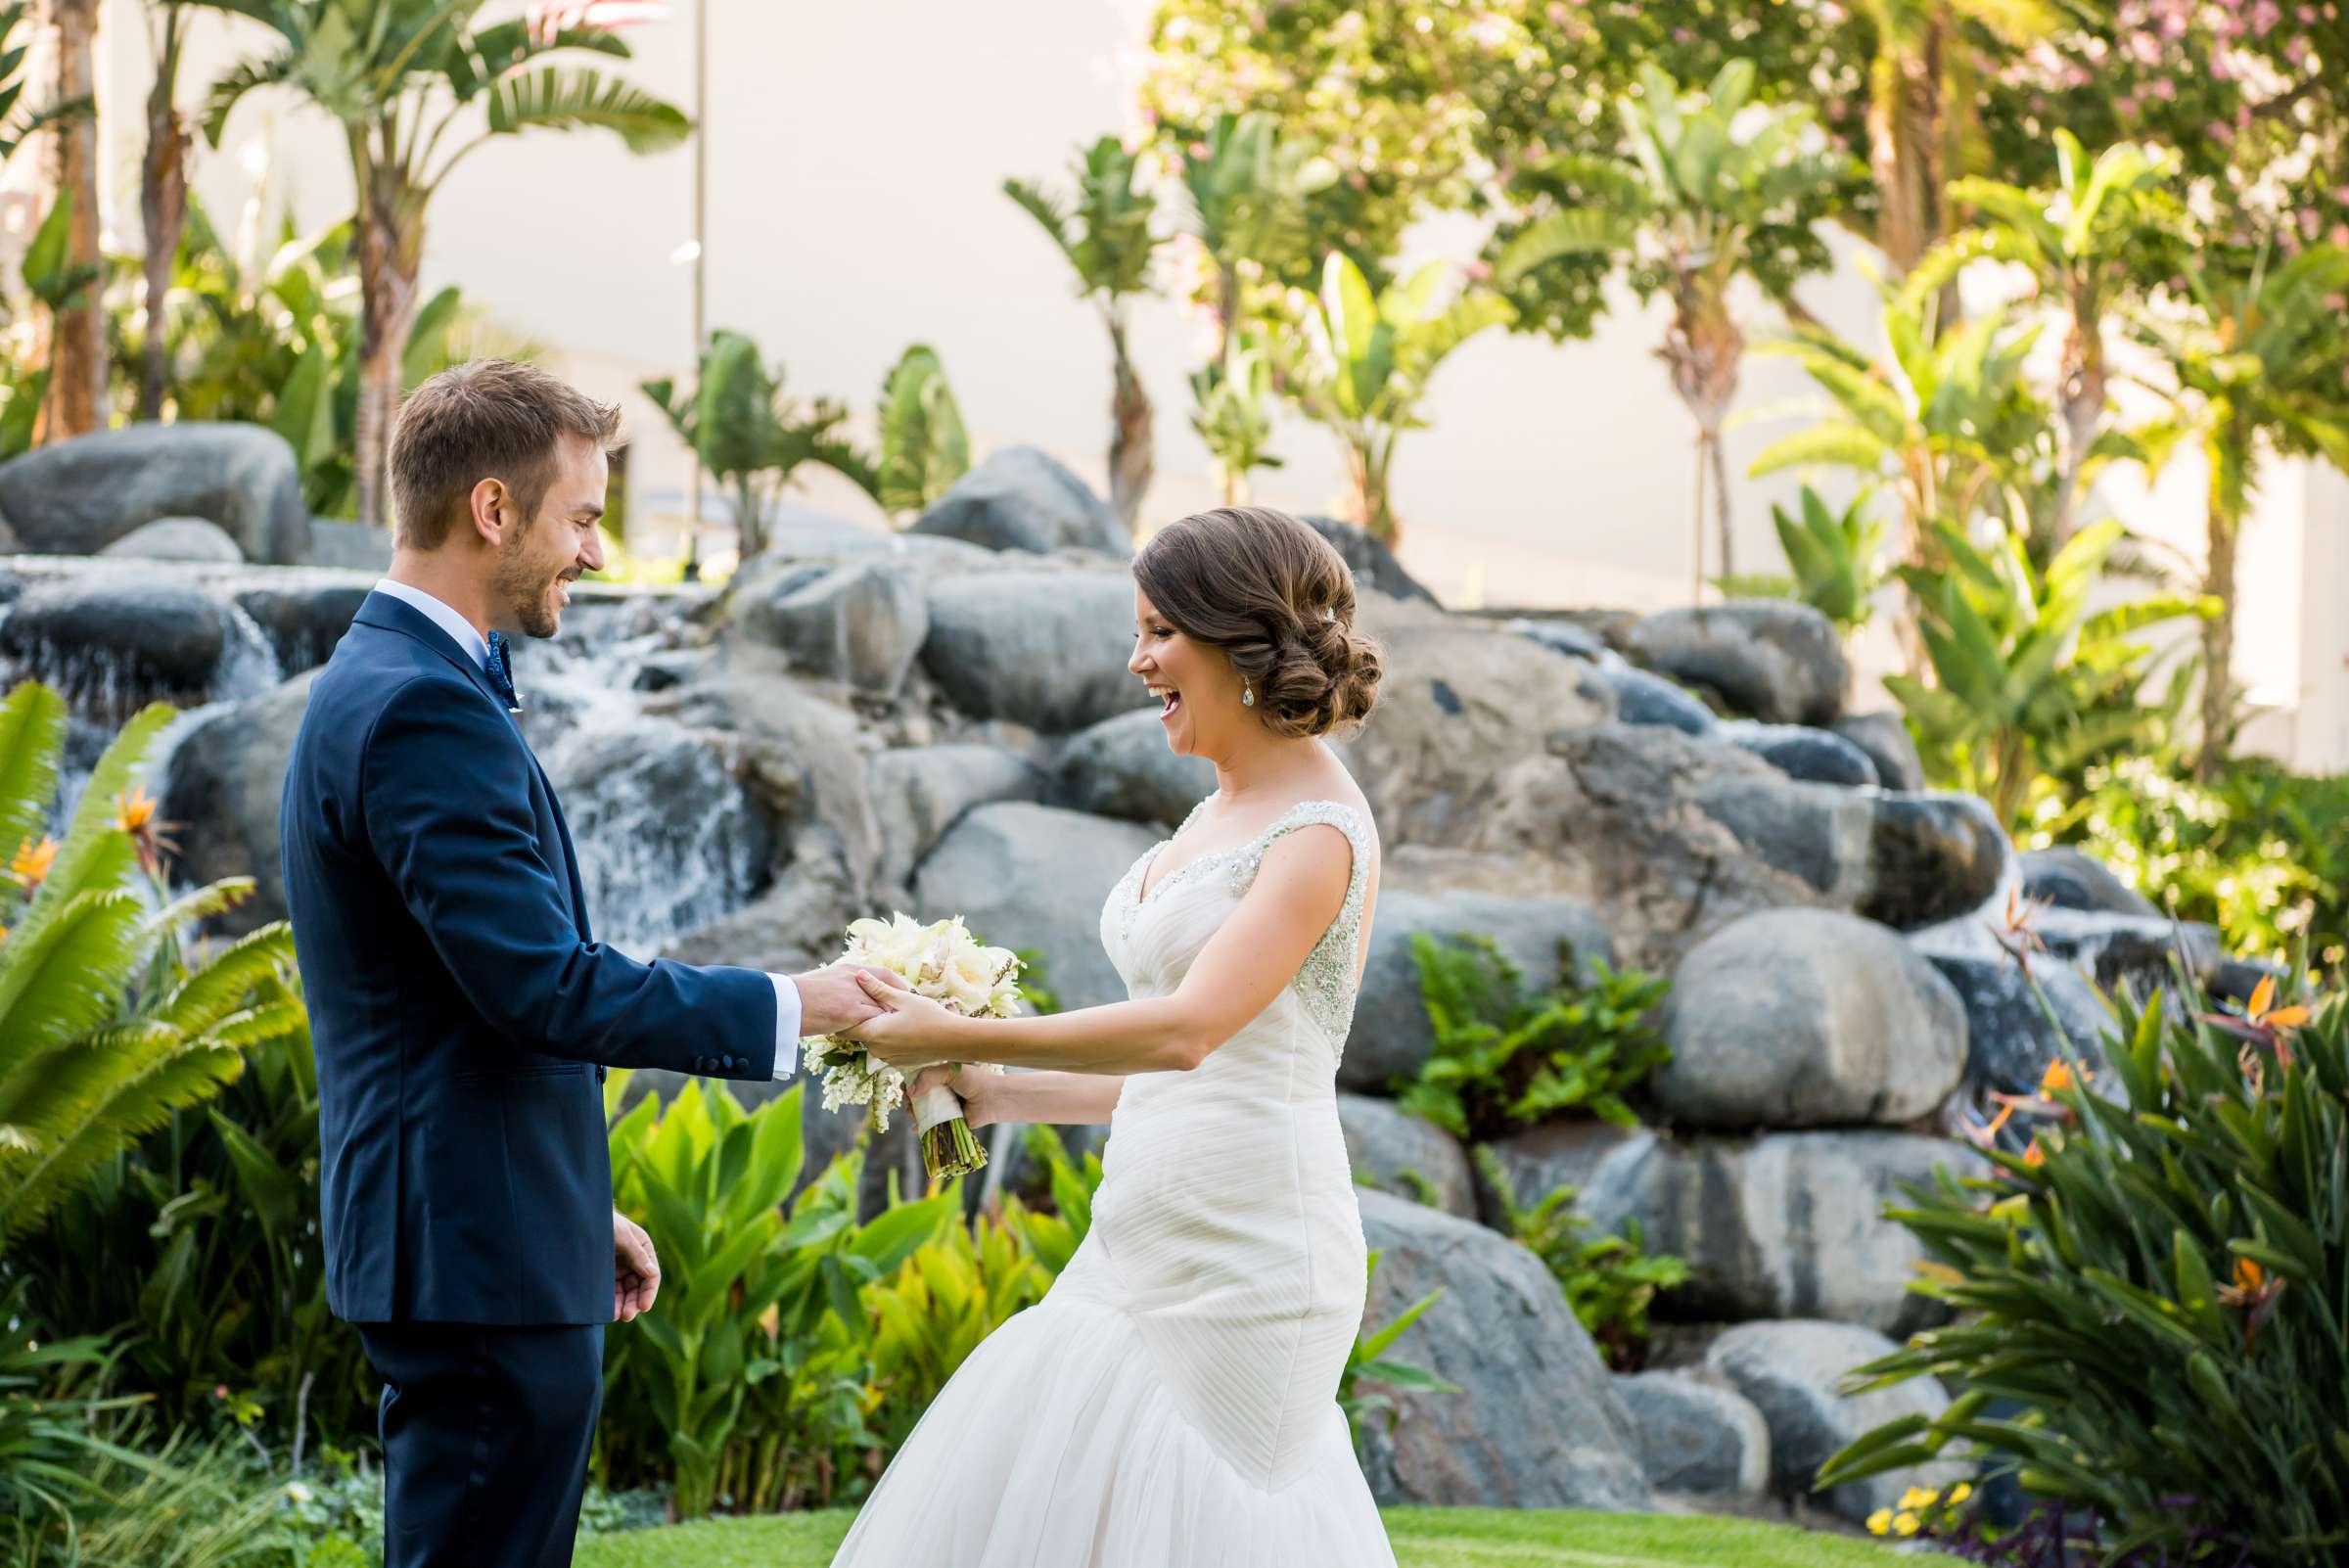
701, 253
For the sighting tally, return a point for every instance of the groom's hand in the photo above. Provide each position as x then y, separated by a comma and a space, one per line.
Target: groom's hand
832, 1001
636, 1271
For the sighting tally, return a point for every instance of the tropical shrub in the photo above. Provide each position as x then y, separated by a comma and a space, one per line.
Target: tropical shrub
2026, 681
1610, 1280
2155, 1279
923, 447
1837, 556
1054, 1233
1505, 1059
747, 1283
1367, 361
1367, 1361
2259, 850
1233, 413
198, 1247
106, 1026
751, 437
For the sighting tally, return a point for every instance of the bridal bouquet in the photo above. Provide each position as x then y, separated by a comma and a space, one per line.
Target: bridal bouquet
945, 963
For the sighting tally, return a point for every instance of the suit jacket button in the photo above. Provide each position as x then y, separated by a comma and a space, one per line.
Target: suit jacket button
733, 1066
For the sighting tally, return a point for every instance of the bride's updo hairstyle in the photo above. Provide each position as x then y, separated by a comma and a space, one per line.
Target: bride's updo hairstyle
1278, 600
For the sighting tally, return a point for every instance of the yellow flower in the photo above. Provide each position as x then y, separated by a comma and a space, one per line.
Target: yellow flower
1879, 1522
1960, 1491
1904, 1523
33, 863
1919, 1498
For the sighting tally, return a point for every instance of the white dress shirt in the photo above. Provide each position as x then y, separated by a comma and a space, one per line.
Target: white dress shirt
466, 635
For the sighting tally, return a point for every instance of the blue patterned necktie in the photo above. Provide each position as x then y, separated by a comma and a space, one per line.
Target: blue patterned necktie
501, 673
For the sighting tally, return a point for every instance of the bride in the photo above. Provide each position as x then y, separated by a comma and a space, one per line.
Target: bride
1171, 1402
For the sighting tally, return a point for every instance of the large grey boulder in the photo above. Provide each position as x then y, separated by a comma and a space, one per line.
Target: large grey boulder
79, 496
1794, 1018
1793, 1373
227, 774
1567, 636
1784, 1224
859, 622
1459, 703
1935, 855
303, 614
1372, 563
665, 836
1041, 648
177, 538
1123, 767
1022, 499
2073, 879
1397, 1152
1391, 1034
1034, 876
1641, 698
120, 634
350, 546
919, 791
1768, 658
1536, 1422
1885, 738
1698, 1436
1814, 756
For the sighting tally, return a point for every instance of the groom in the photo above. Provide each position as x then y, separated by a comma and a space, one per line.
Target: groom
463, 1012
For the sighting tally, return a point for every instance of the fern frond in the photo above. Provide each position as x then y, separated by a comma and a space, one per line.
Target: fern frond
221, 986
61, 974
33, 735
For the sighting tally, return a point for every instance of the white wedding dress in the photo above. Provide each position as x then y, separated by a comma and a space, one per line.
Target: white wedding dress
1171, 1402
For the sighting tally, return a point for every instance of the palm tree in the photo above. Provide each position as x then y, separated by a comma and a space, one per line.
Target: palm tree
105, 1027
401, 77
1107, 240
1686, 207
162, 193
2258, 368
2079, 241
750, 436
77, 323
1920, 98
1367, 362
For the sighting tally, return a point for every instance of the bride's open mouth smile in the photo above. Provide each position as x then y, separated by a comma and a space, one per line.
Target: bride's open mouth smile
1170, 700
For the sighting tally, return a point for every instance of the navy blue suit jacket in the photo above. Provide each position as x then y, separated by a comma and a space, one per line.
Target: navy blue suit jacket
463, 1012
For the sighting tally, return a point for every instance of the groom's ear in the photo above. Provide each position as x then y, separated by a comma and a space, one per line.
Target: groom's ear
490, 510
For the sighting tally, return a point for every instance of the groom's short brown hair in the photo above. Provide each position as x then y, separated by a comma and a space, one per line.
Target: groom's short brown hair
487, 419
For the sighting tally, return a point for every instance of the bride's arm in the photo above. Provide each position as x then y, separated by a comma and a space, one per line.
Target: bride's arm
1064, 1098
1299, 889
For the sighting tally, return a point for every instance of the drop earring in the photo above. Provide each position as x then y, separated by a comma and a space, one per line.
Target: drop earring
1247, 693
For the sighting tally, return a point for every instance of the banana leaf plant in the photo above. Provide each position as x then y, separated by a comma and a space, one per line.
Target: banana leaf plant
924, 448
1366, 363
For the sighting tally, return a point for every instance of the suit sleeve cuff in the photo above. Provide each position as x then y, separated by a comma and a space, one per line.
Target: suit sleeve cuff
787, 1027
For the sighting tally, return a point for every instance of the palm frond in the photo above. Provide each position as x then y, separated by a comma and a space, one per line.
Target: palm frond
61, 974
222, 986
586, 99
33, 735
135, 1109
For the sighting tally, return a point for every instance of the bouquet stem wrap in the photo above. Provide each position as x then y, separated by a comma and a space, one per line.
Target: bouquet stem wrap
949, 1147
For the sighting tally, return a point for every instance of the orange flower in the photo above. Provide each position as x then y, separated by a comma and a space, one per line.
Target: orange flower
2035, 1155
2058, 1075
2254, 1291
2262, 1023
135, 814
2016, 934
32, 861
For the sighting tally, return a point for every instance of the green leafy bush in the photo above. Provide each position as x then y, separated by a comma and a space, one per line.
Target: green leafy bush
2260, 852
106, 1028
1610, 1280
200, 1245
731, 1380
1368, 1362
2157, 1280
1505, 1059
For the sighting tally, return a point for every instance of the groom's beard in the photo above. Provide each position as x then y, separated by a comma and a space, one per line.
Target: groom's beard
527, 588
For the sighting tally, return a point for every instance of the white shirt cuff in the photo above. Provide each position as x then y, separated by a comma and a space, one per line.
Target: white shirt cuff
787, 1027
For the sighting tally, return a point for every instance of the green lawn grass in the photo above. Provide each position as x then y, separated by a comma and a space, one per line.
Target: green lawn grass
1424, 1537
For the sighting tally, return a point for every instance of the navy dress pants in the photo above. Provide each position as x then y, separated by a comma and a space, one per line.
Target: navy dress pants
486, 1435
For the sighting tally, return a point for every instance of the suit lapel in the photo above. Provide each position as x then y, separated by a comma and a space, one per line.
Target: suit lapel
387, 612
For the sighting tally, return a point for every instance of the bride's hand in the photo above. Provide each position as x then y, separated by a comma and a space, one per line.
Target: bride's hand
968, 1086
909, 1031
